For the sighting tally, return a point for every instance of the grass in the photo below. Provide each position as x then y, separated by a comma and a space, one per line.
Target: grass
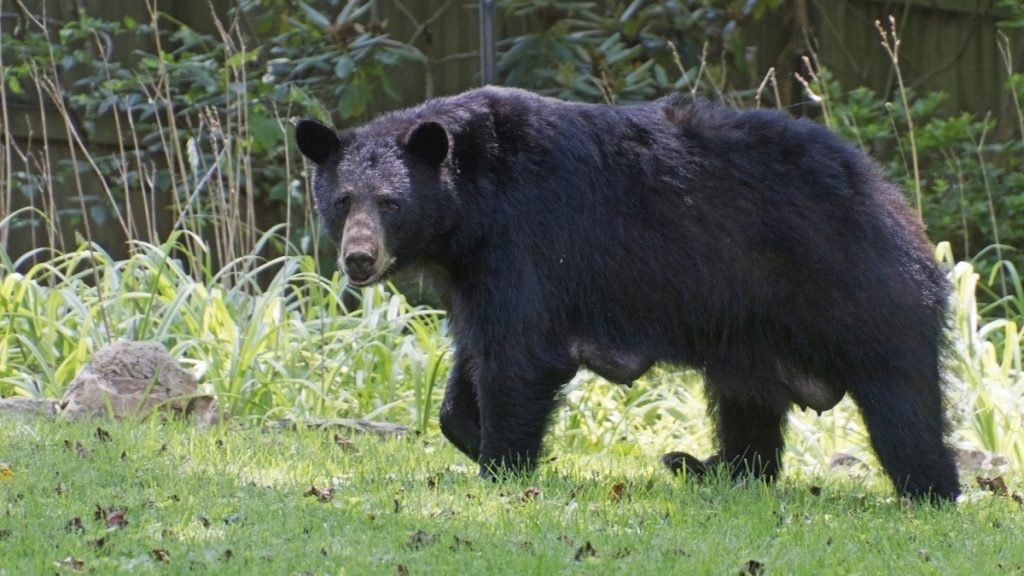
230, 500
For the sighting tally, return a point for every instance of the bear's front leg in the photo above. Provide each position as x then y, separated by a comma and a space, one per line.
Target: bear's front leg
516, 403
460, 411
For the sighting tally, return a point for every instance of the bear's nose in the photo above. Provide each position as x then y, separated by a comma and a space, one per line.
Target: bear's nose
359, 264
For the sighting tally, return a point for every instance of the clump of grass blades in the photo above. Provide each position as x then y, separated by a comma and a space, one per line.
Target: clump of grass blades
987, 380
284, 347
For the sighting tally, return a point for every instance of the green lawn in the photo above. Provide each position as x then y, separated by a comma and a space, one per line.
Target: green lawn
104, 497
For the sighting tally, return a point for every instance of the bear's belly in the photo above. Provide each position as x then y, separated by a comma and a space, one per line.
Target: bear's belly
808, 392
618, 366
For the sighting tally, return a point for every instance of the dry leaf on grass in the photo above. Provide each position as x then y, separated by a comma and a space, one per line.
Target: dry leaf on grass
617, 491
323, 495
160, 555
995, 485
420, 539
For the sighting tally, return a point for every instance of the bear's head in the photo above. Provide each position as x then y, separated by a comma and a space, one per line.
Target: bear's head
383, 192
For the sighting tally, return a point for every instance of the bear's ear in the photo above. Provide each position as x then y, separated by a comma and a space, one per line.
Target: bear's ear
316, 141
429, 141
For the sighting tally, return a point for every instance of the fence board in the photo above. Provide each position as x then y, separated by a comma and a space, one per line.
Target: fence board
948, 46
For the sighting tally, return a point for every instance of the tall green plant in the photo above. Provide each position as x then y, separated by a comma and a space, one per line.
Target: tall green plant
288, 347
987, 372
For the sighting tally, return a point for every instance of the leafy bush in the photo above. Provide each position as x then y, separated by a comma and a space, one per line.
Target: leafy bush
203, 103
608, 51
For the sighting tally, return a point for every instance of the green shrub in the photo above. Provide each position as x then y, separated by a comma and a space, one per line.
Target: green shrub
628, 53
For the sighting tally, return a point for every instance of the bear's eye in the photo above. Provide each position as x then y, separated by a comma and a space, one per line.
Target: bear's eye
343, 202
388, 205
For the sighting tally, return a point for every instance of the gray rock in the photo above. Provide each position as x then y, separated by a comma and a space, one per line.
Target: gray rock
27, 407
975, 461
360, 425
848, 464
133, 379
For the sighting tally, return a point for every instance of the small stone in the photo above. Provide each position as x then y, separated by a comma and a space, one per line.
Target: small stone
850, 465
27, 407
975, 461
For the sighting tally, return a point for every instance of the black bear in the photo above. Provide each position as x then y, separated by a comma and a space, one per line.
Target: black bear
758, 248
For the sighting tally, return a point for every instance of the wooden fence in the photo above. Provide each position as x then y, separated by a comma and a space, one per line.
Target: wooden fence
947, 45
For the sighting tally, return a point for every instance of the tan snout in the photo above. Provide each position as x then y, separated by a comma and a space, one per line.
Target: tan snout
363, 256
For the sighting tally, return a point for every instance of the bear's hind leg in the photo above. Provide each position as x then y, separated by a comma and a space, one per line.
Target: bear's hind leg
750, 440
749, 437
905, 421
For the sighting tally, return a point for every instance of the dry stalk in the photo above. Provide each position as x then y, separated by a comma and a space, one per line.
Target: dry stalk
891, 43
1007, 54
812, 80
769, 79
6, 159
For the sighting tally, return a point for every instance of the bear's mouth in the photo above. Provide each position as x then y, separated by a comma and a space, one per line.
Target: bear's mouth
359, 282
379, 272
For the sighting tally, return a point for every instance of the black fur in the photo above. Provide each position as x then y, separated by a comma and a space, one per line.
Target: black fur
760, 249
